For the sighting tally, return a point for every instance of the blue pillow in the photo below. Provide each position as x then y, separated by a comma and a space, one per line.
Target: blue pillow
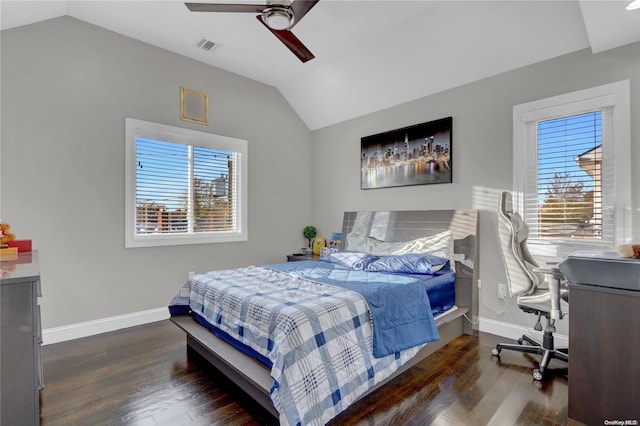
410, 263
350, 259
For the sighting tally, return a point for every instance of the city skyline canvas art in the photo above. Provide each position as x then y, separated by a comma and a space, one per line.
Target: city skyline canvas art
415, 155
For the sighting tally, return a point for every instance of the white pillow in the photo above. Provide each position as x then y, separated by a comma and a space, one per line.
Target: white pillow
438, 245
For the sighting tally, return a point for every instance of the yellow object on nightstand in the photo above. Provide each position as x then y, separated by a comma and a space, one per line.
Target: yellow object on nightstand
9, 253
318, 243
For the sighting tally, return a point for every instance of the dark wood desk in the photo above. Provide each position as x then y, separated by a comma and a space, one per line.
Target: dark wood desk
604, 354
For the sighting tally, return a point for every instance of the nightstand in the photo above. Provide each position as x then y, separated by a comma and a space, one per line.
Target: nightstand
295, 257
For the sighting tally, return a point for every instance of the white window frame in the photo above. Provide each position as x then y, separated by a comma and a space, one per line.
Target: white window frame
613, 95
138, 128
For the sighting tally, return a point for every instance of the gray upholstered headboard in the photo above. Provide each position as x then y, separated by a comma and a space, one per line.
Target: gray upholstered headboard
393, 226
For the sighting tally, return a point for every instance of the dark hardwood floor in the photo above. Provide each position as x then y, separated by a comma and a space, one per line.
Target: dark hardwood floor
144, 376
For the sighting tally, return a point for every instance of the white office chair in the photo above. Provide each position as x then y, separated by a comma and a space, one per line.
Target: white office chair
526, 281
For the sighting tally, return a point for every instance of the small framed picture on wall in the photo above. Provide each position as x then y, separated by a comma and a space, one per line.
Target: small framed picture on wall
194, 106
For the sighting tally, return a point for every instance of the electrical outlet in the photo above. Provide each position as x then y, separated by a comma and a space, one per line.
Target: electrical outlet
502, 290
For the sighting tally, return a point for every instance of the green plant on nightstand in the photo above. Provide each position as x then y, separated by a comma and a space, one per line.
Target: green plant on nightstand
309, 233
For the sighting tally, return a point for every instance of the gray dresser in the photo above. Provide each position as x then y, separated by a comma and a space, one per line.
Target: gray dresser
21, 338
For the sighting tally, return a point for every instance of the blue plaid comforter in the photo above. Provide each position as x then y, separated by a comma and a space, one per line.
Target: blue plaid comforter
318, 337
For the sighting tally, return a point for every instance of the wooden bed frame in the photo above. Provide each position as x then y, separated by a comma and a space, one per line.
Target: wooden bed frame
255, 379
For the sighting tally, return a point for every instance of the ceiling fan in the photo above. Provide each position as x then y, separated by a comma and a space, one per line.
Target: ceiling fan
278, 16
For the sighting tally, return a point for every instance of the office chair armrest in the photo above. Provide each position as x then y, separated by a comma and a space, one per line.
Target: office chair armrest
554, 282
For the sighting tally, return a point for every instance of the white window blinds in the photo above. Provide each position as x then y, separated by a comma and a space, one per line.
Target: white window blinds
184, 188
567, 201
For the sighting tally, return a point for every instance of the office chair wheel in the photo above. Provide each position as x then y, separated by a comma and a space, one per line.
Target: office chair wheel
495, 351
537, 375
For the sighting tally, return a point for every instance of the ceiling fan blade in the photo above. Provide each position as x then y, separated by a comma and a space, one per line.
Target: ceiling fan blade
300, 8
222, 7
292, 42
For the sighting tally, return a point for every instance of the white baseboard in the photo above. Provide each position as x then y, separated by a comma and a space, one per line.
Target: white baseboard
103, 325
514, 332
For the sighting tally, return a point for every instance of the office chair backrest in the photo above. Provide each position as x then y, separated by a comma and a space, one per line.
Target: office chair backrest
518, 261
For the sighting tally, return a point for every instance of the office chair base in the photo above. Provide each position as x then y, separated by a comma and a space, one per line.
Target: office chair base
545, 349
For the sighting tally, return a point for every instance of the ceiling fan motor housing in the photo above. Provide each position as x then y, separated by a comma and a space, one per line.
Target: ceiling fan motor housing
278, 17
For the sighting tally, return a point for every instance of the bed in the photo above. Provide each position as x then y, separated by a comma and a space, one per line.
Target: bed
308, 339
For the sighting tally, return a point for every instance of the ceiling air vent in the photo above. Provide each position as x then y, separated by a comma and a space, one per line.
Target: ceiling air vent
207, 45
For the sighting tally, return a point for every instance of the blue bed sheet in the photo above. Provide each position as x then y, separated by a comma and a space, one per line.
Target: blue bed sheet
400, 304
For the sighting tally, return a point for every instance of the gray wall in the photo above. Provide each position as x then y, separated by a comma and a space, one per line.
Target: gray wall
67, 87
482, 153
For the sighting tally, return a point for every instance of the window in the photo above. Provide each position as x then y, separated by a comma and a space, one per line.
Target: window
571, 169
183, 186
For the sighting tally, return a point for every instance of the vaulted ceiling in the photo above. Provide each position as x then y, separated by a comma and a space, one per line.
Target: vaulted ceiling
369, 55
